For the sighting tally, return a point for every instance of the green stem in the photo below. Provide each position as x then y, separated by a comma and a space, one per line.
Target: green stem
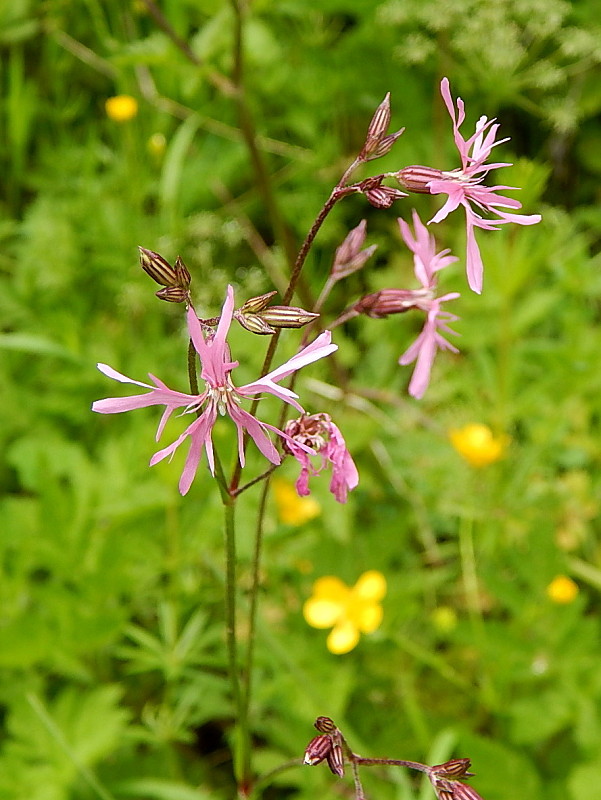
252, 625
468, 568
247, 126
473, 600
231, 638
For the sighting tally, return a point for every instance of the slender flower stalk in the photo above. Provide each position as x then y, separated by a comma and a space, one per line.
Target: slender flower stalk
330, 746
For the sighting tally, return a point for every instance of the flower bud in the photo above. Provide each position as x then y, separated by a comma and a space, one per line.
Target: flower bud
157, 267
416, 178
287, 316
378, 195
317, 750
257, 303
325, 724
182, 275
173, 294
379, 305
327, 746
455, 768
253, 323
255, 316
349, 257
385, 146
377, 143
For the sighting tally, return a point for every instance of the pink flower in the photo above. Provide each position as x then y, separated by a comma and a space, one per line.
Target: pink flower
427, 263
320, 434
464, 186
220, 396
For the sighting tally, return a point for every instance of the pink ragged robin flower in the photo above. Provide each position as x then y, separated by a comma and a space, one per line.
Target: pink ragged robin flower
464, 186
427, 263
320, 434
220, 396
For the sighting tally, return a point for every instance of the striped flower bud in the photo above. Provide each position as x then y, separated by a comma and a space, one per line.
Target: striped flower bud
377, 143
349, 256
159, 269
379, 305
416, 178
257, 317
173, 294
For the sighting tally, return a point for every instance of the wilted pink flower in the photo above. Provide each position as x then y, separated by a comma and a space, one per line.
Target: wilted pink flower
427, 262
464, 186
320, 434
219, 396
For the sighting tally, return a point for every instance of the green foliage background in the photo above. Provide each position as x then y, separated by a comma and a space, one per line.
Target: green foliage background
113, 680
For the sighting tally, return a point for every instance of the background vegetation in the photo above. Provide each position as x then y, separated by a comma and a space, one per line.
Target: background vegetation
112, 668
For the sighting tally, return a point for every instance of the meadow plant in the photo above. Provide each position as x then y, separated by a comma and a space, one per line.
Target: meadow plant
314, 439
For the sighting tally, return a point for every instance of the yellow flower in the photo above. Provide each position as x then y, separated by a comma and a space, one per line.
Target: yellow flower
156, 145
476, 443
292, 509
562, 590
348, 611
121, 108
444, 619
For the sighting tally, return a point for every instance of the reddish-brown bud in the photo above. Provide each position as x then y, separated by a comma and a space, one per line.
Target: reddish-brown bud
327, 746
325, 725
455, 768
388, 301
377, 143
349, 256
416, 178
318, 750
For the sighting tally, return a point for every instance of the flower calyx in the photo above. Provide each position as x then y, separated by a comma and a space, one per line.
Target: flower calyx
379, 196
175, 279
258, 317
349, 256
381, 304
377, 142
328, 746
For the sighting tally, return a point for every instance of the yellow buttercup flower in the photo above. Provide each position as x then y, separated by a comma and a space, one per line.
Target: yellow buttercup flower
476, 443
292, 509
121, 108
562, 590
348, 611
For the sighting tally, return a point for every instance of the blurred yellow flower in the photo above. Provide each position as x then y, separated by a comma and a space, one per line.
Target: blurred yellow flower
444, 619
121, 108
476, 443
348, 611
562, 590
292, 509
156, 145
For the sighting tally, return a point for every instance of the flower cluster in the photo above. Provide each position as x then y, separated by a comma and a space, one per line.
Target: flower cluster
219, 397
427, 264
448, 780
464, 186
